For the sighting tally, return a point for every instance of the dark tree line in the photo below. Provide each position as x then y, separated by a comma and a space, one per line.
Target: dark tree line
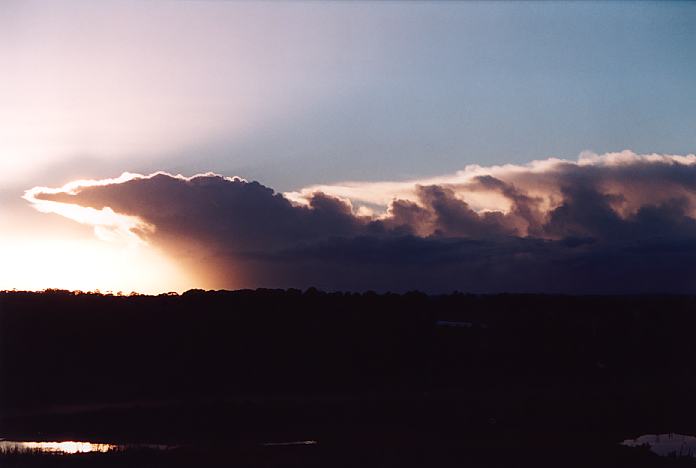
102, 347
294, 364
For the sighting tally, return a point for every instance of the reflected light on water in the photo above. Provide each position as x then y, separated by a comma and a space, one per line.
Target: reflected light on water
68, 447
295, 442
666, 444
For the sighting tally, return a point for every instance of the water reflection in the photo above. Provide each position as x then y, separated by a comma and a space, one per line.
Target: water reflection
68, 447
72, 447
294, 442
666, 444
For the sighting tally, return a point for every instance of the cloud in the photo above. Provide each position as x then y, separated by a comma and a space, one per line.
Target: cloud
618, 222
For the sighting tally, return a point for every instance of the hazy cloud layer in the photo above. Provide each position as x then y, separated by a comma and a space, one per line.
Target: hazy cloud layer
613, 223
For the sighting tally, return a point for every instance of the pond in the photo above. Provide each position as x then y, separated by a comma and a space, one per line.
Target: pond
666, 444
70, 446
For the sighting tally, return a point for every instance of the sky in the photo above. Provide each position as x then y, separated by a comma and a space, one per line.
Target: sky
361, 101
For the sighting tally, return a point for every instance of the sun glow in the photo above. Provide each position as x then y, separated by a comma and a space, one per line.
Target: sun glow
119, 259
89, 265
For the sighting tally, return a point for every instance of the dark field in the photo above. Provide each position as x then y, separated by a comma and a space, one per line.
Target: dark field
375, 380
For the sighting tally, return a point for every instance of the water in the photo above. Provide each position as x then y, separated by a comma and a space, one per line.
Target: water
295, 442
666, 444
661, 444
67, 447
70, 447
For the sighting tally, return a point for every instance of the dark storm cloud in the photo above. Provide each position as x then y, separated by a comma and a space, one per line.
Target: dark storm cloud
623, 225
231, 213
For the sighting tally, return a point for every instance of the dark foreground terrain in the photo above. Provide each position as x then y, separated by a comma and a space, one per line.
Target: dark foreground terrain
371, 380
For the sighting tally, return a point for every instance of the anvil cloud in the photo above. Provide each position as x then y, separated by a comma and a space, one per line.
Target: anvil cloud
610, 223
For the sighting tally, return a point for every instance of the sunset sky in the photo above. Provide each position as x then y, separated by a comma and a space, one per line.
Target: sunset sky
493, 146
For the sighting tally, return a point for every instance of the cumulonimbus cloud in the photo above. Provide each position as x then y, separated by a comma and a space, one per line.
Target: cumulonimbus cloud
618, 222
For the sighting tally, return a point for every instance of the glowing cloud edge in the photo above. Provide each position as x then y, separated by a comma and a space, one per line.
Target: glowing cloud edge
368, 199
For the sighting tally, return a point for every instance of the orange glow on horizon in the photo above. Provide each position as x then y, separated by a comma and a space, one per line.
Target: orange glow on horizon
119, 259
90, 265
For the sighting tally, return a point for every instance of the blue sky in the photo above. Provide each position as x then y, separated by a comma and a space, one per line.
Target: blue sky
461, 83
334, 91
